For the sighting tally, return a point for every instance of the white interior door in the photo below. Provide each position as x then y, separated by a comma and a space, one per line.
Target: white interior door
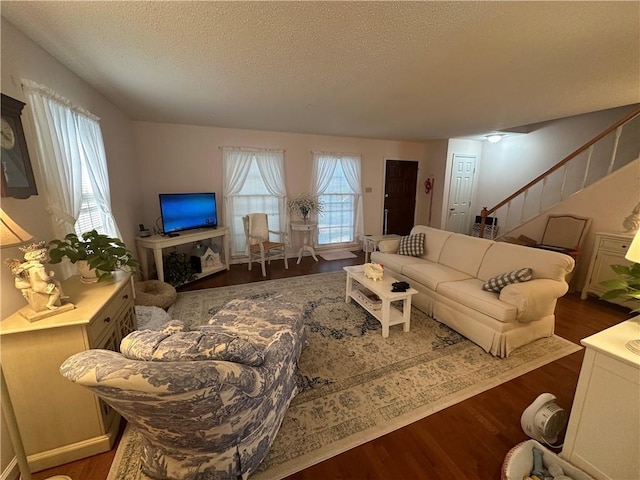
463, 170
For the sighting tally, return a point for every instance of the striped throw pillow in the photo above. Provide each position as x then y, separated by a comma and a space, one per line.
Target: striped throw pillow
498, 282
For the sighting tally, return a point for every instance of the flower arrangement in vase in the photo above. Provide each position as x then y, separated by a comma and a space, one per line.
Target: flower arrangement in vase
304, 205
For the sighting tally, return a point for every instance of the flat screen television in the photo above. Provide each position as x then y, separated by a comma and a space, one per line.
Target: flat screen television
185, 211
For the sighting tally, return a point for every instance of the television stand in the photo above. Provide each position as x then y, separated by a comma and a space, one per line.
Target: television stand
156, 243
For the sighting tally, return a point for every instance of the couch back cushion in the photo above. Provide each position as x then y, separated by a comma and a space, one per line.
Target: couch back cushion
181, 346
505, 257
433, 243
464, 253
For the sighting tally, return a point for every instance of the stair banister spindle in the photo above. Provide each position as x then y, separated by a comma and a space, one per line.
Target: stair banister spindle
587, 167
615, 149
544, 186
564, 182
524, 203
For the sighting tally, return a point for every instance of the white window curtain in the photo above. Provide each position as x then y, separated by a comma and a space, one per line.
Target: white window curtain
57, 145
92, 146
324, 168
68, 137
237, 164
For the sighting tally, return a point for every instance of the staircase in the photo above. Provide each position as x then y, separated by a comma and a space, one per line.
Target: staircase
615, 147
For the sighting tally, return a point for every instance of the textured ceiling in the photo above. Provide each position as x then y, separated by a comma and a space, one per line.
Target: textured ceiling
394, 70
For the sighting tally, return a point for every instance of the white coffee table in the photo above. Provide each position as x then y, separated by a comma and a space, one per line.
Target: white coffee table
387, 315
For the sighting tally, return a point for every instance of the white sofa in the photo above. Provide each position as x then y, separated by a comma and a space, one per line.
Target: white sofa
449, 276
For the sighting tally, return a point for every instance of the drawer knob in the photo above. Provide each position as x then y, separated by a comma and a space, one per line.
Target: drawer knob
125, 296
107, 319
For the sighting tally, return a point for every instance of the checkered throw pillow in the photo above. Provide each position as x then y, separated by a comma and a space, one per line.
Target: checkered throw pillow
412, 245
498, 282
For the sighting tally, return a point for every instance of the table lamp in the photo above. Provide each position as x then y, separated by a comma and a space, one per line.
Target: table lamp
11, 235
633, 255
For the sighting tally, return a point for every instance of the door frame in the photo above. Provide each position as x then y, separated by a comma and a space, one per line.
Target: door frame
384, 183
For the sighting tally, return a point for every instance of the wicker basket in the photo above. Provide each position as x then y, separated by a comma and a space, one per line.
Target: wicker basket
518, 462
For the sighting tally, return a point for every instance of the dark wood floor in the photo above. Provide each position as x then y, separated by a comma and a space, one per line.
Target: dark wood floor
466, 441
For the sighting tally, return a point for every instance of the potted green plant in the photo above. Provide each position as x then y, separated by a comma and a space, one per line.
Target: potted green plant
627, 284
97, 255
178, 269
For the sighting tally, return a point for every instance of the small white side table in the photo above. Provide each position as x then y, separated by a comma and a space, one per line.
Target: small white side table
371, 243
306, 228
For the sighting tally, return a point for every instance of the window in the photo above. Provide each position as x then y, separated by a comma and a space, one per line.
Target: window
253, 183
76, 174
90, 216
337, 184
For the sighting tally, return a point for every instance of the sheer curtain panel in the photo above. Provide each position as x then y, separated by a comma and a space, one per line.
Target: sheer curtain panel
253, 183
337, 181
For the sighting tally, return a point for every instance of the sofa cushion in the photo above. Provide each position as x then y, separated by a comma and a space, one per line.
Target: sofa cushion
432, 274
157, 346
389, 246
433, 242
465, 253
506, 257
394, 262
258, 320
497, 283
412, 245
470, 294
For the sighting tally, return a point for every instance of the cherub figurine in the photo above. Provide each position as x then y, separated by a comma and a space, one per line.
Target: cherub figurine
31, 274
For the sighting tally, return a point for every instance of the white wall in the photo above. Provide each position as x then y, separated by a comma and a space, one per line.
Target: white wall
435, 167
183, 158
21, 58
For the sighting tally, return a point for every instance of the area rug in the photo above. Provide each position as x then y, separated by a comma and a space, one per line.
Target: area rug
353, 384
337, 255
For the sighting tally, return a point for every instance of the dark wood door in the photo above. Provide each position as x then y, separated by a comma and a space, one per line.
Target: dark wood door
399, 196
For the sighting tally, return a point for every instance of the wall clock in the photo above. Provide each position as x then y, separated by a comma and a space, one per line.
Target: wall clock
17, 174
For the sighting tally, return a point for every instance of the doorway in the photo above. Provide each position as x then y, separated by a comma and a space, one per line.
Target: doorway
400, 182
463, 170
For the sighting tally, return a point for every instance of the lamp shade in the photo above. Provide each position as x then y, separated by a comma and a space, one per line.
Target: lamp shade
11, 233
633, 254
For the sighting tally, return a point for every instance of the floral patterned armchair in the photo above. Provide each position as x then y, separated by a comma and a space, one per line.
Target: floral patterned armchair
208, 402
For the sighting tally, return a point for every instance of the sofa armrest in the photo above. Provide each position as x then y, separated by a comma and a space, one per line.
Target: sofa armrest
534, 299
389, 246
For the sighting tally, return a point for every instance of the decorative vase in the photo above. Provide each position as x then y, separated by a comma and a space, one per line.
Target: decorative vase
305, 214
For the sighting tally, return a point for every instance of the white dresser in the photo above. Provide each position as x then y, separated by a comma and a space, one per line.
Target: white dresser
609, 249
59, 421
603, 435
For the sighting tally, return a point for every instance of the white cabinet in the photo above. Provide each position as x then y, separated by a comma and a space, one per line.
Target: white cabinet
609, 249
603, 435
59, 421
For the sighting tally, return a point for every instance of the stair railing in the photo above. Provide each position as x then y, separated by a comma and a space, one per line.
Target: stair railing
542, 180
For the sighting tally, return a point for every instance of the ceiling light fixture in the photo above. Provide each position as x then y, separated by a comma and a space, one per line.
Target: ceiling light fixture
495, 137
